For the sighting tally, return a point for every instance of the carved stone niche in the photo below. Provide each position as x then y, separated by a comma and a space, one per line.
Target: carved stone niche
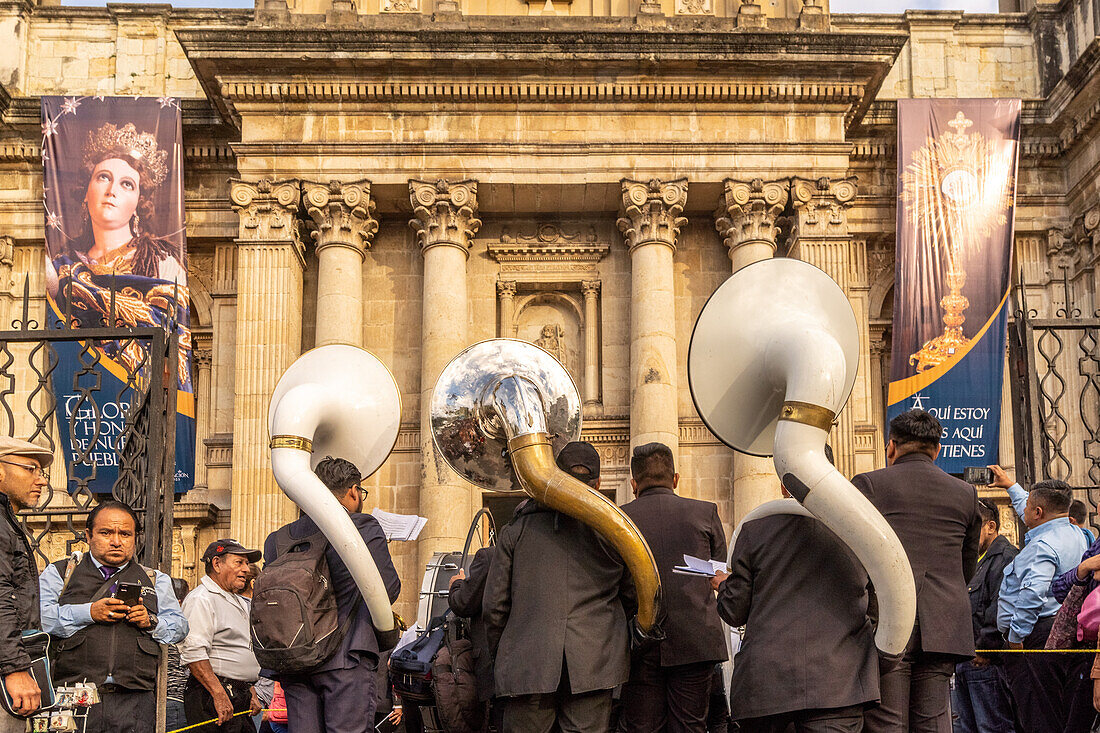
548, 293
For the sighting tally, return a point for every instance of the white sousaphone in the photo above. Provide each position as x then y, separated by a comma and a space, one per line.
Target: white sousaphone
772, 361
338, 401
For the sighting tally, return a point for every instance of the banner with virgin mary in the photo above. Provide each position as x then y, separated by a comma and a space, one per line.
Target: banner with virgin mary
115, 246
957, 163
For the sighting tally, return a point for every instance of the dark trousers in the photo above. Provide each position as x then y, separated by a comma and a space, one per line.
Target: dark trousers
586, 712
915, 693
718, 712
835, 720
122, 711
673, 699
198, 705
980, 701
340, 701
1052, 692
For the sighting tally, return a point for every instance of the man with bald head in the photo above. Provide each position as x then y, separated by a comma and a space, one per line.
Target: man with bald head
23, 477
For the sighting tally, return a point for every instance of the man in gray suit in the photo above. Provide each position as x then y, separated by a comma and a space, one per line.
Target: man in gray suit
556, 605
670, 681
936, 517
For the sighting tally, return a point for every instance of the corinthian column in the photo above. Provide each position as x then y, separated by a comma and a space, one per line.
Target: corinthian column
820, 237
506, 292
445, 223
650, 223
746, 219
342, 228
269, 338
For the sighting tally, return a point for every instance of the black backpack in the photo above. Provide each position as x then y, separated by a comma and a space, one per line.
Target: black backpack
411, 665
295, 621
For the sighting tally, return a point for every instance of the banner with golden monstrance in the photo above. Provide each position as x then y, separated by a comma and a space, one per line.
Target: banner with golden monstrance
956, 195
113, 194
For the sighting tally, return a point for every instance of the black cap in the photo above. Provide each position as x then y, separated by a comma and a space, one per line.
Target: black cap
227, 546
580, 460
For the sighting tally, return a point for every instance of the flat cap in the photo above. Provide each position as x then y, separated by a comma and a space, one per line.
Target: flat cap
17, 447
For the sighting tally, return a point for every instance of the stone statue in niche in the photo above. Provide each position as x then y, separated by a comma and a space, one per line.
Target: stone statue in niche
552, 322
553, 340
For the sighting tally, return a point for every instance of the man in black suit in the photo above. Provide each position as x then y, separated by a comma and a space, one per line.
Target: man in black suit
936, 518
670, 681
808, 657
980, 698
339, 696
464, 596
556, 605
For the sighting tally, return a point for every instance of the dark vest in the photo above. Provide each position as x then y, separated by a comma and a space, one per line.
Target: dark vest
119, 650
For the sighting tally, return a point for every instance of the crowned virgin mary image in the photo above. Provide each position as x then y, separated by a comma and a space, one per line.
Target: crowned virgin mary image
115, 258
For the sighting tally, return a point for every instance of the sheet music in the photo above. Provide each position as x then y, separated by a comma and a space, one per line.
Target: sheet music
399, 527
698, 566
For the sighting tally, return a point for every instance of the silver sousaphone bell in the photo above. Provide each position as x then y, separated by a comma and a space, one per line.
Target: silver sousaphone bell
500, 413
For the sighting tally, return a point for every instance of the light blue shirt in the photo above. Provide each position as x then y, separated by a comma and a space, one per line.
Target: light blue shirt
1049, 550
64, 621
1019, 498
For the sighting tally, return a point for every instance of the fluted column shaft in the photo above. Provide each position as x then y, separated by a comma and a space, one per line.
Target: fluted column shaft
342, 227
820, 237
268, 339
591, 291
650, 223
746, 219
445, 223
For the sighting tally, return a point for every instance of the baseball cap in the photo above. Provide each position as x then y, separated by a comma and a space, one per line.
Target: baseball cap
228, 546
580, 460
17, 447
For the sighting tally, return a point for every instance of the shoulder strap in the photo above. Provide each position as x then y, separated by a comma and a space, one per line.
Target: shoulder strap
151, 573
70, 568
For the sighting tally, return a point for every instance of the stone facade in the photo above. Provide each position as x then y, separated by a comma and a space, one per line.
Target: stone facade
413, 176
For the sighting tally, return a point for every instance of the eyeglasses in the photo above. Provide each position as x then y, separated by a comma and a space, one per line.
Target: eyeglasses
35, 470
362, 492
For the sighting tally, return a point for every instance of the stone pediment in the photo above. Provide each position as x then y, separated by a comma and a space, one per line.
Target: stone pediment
546, 253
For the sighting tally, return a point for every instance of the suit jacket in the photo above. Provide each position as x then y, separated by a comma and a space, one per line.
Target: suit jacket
556, 593
936, 518
985, 589
802, 596
675, 526
465, 599
360, 639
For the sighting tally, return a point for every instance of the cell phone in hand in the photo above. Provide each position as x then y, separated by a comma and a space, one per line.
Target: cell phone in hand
129, 593
978, 475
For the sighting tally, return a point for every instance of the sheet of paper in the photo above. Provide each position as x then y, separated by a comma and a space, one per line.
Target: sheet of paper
698, 566
399, 527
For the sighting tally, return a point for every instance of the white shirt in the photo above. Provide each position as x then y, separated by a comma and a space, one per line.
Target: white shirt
219, 632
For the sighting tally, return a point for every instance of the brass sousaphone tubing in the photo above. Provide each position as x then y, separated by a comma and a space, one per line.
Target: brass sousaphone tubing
504, 398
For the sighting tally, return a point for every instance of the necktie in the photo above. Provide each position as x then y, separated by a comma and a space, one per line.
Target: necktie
107, 573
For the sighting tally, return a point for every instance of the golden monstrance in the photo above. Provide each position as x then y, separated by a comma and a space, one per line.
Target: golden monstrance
956, 190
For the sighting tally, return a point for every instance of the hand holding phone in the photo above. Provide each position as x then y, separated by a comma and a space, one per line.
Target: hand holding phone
129, 593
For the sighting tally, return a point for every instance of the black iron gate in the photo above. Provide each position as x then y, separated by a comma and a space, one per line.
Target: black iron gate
1055, 389
144, 447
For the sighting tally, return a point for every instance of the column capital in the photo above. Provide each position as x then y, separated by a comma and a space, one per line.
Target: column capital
267, 209
445, 213
821, 204
590, 288
748, 211
506, 288
651, 211
340, 214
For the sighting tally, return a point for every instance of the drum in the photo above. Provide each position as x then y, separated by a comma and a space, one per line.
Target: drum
433, 590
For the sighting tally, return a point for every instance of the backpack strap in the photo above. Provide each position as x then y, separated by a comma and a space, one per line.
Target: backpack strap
285, 543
